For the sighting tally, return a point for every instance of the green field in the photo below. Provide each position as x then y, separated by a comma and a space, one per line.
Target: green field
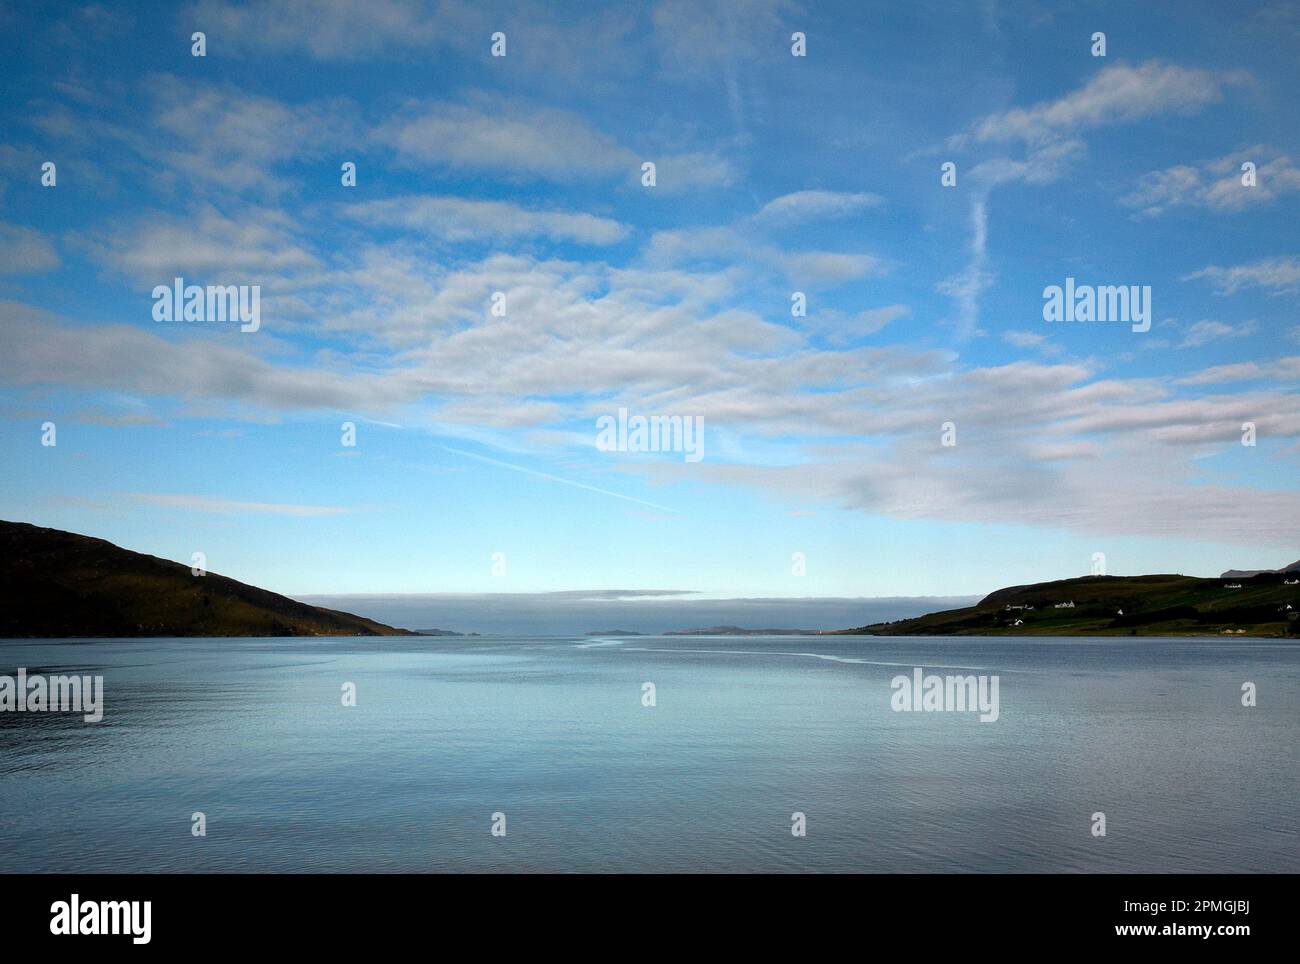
1162, 605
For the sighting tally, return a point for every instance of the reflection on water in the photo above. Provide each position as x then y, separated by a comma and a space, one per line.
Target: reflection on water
744, 732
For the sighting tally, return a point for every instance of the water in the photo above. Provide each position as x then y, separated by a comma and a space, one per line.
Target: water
746, 731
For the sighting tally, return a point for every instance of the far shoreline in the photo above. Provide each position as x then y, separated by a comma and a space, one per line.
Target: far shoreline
839, 634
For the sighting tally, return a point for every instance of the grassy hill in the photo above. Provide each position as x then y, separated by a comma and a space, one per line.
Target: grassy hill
1165, 605
55, 583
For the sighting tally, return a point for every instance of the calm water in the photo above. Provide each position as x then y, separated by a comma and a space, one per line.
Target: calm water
746, 731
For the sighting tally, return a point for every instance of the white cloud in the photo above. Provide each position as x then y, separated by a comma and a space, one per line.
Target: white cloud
1217, 184
804, 206
1051, 130
872, 320
1043, 165
498, 135
1204, 332
1281, 369
1135, 476
681, 172
328, 29
39, 349
235, 140
544, 39
839, 327
1120, 93
728, 245
826, 267
457, 219
254, 245
1030, 340
1277, 276
26, 250
1073, 452
524, 141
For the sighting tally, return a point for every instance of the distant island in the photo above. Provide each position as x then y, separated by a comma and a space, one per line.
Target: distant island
1250, 573
1265, 604
738, 631
60, 584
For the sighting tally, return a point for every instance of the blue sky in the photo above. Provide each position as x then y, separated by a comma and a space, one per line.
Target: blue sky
475, 433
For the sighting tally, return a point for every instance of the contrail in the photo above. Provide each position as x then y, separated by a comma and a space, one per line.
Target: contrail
556, 478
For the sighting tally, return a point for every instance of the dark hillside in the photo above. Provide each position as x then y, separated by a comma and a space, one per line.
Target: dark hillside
55, 583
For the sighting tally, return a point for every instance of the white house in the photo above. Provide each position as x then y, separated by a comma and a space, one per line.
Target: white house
1065, 605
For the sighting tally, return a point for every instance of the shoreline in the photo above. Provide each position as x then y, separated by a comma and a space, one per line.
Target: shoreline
484, 637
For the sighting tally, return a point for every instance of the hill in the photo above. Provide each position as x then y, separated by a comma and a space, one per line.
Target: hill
1248, 573
55, 583
1161, 605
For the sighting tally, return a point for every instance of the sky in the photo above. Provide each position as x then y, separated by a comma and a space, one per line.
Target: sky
502, 276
